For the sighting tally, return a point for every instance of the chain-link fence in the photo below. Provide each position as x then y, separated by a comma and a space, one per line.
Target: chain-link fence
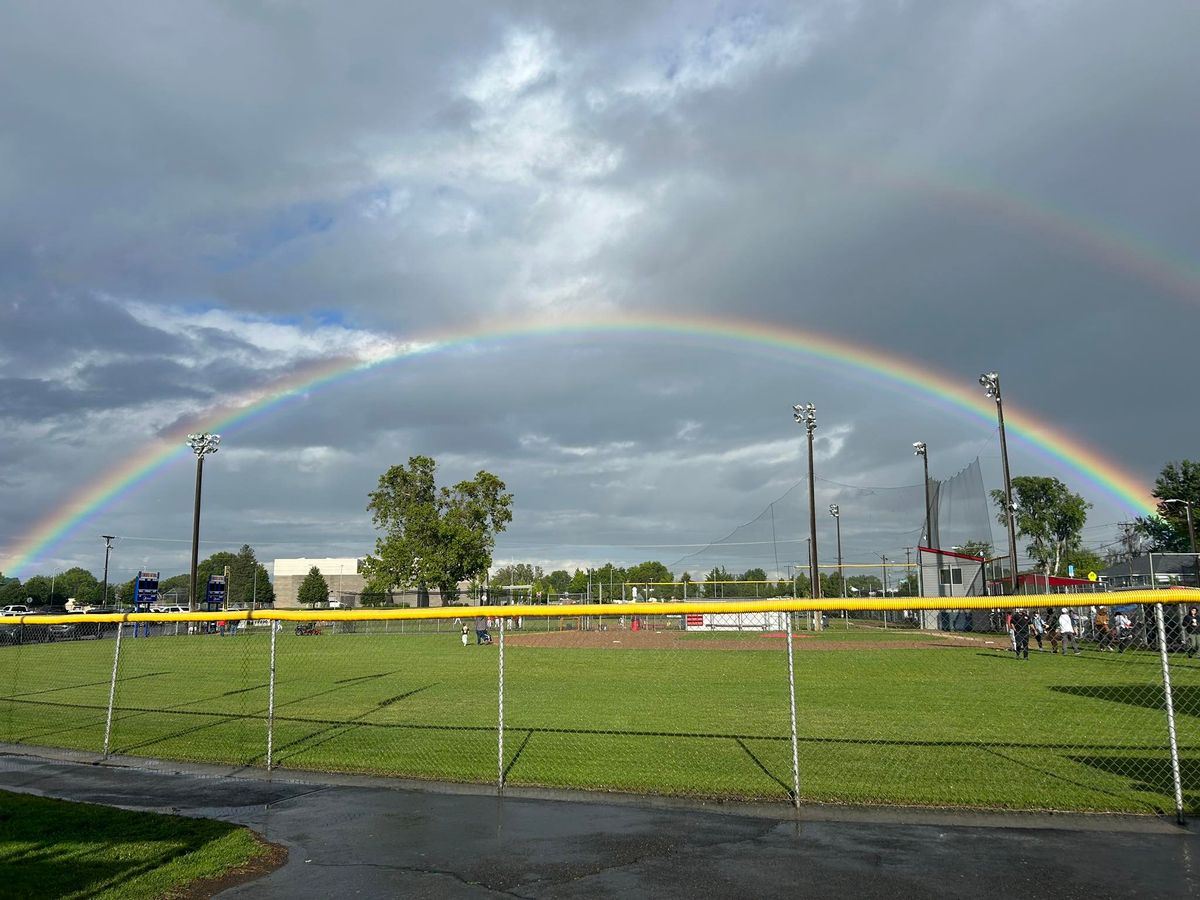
731, 700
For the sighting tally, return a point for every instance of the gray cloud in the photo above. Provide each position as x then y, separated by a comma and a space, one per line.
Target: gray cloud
204, 202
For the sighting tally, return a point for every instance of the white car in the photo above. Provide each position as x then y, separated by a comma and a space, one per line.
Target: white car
15, 609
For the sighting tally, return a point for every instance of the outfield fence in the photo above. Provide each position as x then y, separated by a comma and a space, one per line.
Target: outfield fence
772, 700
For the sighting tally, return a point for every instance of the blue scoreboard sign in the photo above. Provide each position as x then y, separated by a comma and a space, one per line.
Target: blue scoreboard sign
215, 596
145, 590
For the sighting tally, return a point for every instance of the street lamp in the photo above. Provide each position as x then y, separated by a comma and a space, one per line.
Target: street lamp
1187, 508
202, 444
806, 414
836, 512
108, 539
990, 382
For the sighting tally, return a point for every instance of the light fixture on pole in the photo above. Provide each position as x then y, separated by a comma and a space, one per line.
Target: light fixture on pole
202, 444
1187, 508
990, 382
836, 512
806, 415
108, 539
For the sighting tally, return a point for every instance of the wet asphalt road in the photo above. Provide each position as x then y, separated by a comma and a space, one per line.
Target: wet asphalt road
367, 838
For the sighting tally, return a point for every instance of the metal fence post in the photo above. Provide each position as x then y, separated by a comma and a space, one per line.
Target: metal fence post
500, 728
271, 699
1166, 676
112, 688
787, 639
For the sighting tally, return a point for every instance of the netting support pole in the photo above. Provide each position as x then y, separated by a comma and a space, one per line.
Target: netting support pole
271, 700
500, 723
112, 689
1170, 702
787, 639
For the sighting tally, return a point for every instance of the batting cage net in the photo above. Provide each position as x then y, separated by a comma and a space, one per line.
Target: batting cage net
864, 526
1053, 702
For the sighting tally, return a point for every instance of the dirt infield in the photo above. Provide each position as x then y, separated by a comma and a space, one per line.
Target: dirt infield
678, 640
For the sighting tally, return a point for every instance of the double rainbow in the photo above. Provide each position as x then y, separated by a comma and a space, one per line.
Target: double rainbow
889, 368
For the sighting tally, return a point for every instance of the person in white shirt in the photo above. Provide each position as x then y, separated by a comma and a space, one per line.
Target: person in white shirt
1124, 628
1067, 626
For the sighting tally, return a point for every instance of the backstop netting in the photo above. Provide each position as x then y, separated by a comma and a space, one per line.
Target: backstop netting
875, 522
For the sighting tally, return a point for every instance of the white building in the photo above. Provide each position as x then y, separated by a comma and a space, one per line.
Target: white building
344, 577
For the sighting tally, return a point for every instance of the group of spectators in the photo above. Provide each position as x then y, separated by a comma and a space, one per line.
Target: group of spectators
1113, 634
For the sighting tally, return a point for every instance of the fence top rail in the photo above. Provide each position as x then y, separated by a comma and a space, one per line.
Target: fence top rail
779, 604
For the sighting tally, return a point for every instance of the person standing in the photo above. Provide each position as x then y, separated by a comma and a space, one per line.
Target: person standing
465, 632
1052, 630
480, 629
1039, 629
1020, 633
1191, 628
1067, 627
1123, 625
1103, 635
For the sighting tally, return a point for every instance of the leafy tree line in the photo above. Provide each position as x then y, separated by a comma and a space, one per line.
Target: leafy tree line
248, 580
612, 582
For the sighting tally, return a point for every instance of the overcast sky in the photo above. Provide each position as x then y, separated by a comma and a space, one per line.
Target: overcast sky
199, 199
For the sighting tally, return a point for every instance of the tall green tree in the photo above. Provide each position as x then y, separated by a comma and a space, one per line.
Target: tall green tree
1049, 515
248, 580
649, 577
12, 591
434, 536
864, 584
516, 573
314, 589
976, 548
1167, 531
79, 584
713, 586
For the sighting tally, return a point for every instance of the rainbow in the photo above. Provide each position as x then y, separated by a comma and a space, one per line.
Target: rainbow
888, 368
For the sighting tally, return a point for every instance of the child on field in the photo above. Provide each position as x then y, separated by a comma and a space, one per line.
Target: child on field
464, 634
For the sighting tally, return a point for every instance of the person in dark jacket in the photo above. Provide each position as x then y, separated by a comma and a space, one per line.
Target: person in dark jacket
1020, 633
1191, 628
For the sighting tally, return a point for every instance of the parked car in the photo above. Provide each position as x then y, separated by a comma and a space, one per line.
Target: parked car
15, 609
83, 627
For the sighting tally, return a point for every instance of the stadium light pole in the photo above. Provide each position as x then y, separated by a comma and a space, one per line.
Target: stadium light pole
202, 444
1187, 508
806, 414
836, 512
921, 449
990, 382
108, 539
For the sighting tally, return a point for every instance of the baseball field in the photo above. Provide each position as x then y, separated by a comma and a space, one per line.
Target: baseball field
882, 717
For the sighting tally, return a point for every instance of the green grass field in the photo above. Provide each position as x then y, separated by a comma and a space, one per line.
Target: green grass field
919, 724
52, 848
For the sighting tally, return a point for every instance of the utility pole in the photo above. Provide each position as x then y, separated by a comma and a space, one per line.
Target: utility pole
108, 539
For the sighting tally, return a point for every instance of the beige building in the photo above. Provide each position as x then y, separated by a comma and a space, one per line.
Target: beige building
344, 577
